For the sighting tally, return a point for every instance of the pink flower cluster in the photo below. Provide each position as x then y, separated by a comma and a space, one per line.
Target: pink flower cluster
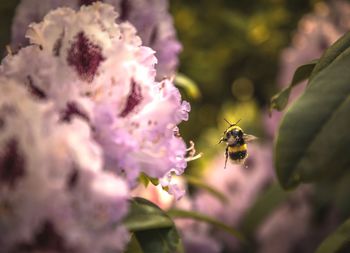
97, 70
81, 117
52, 181
151, 19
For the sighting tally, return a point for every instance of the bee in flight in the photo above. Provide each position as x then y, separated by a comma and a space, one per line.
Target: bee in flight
236, 143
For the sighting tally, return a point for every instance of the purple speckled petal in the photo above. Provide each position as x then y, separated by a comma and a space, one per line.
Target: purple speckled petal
85, 57
12, 163
52, 182
98, 71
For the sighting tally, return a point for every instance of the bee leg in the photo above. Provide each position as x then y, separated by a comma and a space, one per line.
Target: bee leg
226, 156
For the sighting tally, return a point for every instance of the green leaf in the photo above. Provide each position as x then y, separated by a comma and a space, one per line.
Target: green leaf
336, 240
153, 230
194, 181
313, 137
179, 213
263, 207
163, 240
303, 72
144, 215
331, 54
310, 70
190, 87
340, 195
154, 181
145, 180
134, 246
280, 100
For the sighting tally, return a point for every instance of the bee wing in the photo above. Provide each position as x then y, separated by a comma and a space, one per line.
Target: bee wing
249, 137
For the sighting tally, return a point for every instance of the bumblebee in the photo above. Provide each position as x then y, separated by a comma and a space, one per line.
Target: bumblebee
236, 143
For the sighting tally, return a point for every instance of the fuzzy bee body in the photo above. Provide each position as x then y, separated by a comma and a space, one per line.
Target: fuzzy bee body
237, 154
236, 144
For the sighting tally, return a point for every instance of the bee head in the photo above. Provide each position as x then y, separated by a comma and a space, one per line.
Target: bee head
233, 132
234, 135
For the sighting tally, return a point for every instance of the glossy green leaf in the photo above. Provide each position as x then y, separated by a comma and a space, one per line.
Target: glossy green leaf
340, 195
336, 240
190, 87
194, 181
133, 246
280, 100
144, 215
179, 213
263, 207
163, 240
153, 231
313, 137
331, 54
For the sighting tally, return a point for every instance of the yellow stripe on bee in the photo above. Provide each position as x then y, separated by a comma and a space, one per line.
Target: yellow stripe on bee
233, 128
237, 148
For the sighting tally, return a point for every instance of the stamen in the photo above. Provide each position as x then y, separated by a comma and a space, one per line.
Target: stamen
192, 153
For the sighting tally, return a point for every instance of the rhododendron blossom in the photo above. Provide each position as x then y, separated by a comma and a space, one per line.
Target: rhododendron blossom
98, 71
151, 18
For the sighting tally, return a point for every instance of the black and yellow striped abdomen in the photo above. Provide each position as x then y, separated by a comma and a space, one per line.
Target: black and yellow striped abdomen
238, 153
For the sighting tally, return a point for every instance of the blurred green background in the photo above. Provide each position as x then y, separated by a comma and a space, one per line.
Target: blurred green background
231, 44
231, 49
